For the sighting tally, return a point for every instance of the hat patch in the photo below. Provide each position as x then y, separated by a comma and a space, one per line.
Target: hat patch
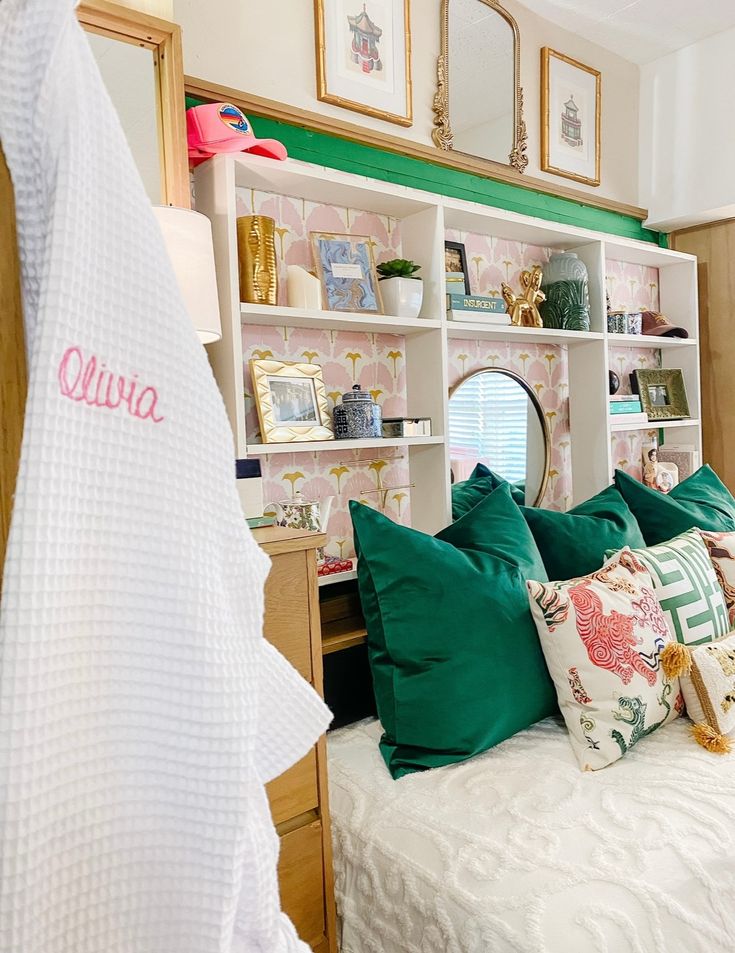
234, 119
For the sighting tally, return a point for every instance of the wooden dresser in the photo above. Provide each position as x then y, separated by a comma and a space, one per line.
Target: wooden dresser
298, 798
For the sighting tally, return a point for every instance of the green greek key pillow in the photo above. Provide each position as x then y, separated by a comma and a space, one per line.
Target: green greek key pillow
686, 585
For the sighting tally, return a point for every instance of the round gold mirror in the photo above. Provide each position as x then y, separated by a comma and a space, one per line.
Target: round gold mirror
495, 418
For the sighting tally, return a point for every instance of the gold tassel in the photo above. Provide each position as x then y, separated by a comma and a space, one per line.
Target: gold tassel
710, 739
676, 660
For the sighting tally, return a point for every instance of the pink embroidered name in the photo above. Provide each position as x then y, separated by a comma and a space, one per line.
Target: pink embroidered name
93, 384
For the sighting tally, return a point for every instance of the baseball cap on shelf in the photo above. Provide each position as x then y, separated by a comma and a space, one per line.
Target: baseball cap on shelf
222, 127
659, 325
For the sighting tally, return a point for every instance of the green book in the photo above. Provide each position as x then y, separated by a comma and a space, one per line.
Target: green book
463, 302
632, 406
256, 522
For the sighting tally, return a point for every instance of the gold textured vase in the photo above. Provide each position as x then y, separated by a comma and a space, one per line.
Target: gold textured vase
256, 252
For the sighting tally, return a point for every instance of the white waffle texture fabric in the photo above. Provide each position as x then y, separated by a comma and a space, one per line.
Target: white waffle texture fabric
141, 711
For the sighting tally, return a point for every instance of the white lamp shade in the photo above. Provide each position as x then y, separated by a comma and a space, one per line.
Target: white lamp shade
188, 238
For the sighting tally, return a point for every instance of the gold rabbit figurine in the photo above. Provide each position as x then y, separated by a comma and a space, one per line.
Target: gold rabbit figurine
523, 309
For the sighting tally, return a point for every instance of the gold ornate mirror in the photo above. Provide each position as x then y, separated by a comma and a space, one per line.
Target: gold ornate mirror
478, 106
495, 418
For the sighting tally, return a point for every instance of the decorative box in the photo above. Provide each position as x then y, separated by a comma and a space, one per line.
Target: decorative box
333, 565
634, 322
358, 417
407, 427
617, 322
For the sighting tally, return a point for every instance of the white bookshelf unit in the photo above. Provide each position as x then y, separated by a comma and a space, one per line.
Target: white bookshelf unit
425, 219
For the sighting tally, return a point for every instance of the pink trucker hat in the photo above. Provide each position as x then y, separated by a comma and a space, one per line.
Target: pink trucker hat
222, 127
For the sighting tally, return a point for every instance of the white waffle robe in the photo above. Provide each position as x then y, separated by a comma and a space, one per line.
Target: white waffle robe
141, 711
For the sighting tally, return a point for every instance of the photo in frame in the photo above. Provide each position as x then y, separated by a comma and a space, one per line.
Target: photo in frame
363, 56
658, 474
455, 265
662, 392
291, 401
346, 268
571, 101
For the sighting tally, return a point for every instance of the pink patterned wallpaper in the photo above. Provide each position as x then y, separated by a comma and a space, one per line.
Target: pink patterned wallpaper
631, 288
377, 363
491, 261
295, 218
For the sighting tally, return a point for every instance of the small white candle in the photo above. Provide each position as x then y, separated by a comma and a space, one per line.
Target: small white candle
302, 289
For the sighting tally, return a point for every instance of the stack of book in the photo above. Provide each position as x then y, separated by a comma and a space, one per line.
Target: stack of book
464, 307
628, 408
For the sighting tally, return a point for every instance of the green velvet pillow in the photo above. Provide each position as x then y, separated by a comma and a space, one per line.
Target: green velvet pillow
456, 661
574, 543
476, 487
702, 501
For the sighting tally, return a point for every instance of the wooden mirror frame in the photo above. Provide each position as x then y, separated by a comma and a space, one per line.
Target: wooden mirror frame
534, 402
163, 39
442, 134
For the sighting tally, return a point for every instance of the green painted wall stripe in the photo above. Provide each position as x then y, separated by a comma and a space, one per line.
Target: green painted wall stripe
336, 153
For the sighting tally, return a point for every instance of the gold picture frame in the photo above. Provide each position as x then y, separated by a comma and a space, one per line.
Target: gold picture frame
291, 401
663, 393
585, 170
325, 95
344, 292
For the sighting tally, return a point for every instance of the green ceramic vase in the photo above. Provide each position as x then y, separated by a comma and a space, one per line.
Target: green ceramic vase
565, 285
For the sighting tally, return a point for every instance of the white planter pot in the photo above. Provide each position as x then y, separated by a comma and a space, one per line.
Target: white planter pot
402, 297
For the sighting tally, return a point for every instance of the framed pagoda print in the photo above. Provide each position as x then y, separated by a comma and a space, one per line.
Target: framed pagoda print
570, 118
363, 57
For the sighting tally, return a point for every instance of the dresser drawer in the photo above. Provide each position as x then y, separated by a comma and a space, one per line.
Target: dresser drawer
295, 791
287, 609
301, 877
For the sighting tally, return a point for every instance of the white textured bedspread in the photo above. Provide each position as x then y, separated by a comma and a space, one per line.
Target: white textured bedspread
518, 850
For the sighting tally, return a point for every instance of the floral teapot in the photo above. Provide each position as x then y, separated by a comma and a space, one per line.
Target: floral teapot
298, 513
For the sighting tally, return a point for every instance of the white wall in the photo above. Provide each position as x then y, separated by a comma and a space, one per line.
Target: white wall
157, 8
266, 47
687, 136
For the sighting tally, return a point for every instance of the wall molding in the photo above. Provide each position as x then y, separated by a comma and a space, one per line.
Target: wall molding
457, 162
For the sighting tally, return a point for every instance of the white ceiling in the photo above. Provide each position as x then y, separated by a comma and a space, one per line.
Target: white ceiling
638, 30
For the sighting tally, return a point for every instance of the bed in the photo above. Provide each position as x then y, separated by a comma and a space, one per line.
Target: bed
518, 850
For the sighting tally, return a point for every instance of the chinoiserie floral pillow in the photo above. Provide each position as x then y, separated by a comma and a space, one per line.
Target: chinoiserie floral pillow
602, 636
721, 548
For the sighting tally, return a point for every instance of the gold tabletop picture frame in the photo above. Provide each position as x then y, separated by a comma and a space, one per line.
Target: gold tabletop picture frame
291, 401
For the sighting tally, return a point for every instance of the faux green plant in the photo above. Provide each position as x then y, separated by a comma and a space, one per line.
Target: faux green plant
398, 268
